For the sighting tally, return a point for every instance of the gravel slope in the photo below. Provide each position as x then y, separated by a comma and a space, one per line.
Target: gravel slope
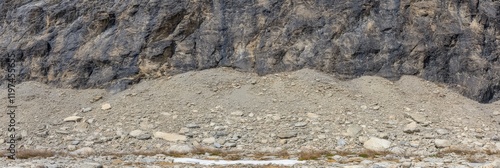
257, 117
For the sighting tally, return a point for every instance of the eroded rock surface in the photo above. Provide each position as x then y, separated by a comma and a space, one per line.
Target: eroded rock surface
84, 44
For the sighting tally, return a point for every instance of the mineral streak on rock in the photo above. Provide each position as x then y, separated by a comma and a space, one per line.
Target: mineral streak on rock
106, 44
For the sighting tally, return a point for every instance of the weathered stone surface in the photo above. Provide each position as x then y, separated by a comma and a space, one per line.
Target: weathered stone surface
119, 43
73, 119
106, 106
442, 143
170, 136
376, 144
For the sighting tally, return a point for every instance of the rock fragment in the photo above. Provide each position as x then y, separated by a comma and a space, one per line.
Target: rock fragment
353, 130
210, 140
86, 109
441, 131
421, 119
192, 125
106, 106
136, 133
411, 128
377, 145
442, 143
73, 119
300, 124
170, 136
287, 135
95, 99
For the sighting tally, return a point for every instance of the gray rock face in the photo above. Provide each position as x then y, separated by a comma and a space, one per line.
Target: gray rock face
81, 46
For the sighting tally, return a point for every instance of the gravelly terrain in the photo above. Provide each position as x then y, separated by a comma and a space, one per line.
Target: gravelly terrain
225, 114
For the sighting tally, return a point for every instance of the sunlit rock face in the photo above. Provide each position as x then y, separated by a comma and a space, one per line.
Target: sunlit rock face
111, 44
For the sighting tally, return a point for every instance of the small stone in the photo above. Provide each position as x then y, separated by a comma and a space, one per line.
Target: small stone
300, 124
2, 141
73, 119
85, 151
143, 137
210, 140
96, 98
75, 142
230, 144
217, 145
341, 142
180, 148
90, 121
192, 125
421, 119
362, 139
106, 106
220, 128
364, 107
287, 135
377, 145
376, 107
495, 113
353, 130
442, 131
312, 115
170, 136
71, 147
411, 128
136, 133
237, 113
86, 109
414, 144
442, 143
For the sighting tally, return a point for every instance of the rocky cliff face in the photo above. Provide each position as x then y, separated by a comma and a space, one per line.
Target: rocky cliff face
84, 44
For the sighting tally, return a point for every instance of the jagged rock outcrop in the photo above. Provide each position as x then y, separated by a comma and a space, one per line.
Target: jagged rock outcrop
84, 44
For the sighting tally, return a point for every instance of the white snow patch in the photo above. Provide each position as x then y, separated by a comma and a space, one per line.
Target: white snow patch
247, 162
